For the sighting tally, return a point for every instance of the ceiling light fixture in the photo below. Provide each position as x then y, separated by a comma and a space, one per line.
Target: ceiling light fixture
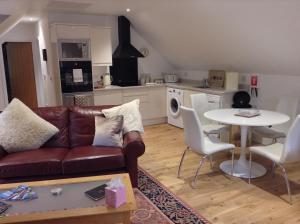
31, 19
128, 10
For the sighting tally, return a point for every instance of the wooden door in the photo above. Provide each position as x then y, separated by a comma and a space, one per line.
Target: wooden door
19, 71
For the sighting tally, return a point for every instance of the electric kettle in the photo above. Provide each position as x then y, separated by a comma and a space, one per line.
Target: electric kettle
106, 78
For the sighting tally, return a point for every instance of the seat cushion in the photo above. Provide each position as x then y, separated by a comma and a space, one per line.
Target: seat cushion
267, 132
213, 144
45, 161
86, 159
272, 152
214, 128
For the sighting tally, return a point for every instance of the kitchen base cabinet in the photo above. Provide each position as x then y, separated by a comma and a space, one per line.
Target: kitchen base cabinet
187, 97
108, 97
152, 101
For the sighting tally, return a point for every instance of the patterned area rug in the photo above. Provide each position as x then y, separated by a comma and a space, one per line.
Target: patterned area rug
156, 204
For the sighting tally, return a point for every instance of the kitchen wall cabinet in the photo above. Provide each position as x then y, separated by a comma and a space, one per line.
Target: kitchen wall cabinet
101, 46
69, 31
100, 40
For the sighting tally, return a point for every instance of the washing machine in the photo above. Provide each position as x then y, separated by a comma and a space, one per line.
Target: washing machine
174, 101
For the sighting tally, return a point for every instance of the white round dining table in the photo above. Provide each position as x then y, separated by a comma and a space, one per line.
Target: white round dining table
228, 116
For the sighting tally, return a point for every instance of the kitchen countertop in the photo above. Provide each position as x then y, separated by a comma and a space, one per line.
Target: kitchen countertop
191, 86
182, 85
128, 87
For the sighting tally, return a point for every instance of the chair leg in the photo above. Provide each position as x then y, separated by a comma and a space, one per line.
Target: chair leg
287, 183
180, 164
250, 167
198, 170
232, 161
273, 169
211, 161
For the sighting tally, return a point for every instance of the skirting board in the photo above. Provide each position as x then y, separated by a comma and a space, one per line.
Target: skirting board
160, 120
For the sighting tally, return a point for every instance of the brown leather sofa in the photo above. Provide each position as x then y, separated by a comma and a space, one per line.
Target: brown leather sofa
70, 152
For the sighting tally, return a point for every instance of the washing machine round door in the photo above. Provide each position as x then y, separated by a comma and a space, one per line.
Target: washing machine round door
174, 107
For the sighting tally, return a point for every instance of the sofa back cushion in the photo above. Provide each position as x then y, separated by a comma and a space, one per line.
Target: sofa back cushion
59, 117
82, 124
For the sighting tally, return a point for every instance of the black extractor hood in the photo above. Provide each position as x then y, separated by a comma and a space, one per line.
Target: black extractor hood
125, 49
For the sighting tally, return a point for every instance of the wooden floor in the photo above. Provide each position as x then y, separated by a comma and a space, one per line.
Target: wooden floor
219, 198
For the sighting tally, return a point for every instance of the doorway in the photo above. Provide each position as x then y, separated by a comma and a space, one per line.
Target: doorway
19, 72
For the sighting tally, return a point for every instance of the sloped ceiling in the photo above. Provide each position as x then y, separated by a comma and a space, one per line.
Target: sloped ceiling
247, 36
244, 35
3, 17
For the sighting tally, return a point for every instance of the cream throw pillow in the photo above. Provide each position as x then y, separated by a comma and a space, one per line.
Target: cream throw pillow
131, 113
21, 129
108, 131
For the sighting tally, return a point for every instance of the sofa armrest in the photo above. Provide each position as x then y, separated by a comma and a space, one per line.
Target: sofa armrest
2, 152
133, 145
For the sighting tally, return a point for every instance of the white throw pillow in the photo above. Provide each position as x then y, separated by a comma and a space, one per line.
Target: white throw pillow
108, 131
21, 129
131, 113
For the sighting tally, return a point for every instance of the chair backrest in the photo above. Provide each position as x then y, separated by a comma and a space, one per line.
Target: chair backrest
200, 105
193, 133
287, 105
291, 151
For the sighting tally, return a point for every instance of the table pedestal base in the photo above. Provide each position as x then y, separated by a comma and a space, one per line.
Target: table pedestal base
241, 169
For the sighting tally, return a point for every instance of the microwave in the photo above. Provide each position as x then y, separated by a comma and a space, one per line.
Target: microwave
74, 50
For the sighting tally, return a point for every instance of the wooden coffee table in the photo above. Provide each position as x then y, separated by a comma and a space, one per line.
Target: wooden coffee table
66, 210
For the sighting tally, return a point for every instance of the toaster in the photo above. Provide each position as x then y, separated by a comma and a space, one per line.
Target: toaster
170, 78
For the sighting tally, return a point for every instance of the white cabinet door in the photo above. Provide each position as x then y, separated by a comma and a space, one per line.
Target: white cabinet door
108, 97
101, 47
69, 31
158, 102
143, 96
187, 97
152, 101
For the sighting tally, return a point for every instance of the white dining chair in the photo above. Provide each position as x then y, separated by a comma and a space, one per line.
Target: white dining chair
281, 153
197, 141
201, 105
286, 105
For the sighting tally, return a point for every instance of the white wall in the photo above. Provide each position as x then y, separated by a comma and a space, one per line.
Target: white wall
49, 79
23, 32
271, 86
154, 64
191, 75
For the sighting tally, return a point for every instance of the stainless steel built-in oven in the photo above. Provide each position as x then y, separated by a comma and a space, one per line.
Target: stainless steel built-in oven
76, 76
74, 50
